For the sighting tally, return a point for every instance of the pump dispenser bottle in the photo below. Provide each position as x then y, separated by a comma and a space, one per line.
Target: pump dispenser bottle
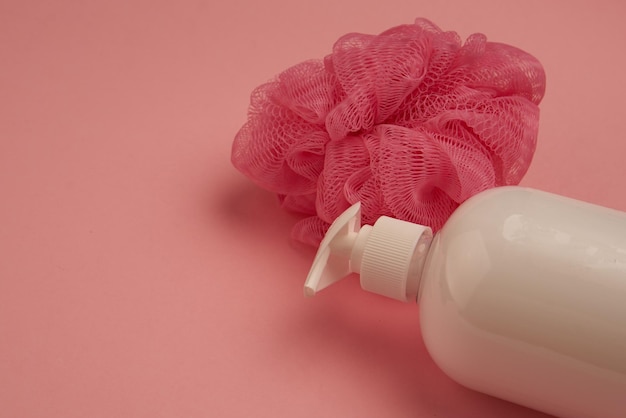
522, 294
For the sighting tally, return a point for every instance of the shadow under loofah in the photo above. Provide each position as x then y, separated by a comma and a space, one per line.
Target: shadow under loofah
411, 123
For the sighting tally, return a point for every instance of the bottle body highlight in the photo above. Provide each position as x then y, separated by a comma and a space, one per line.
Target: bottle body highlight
523, 297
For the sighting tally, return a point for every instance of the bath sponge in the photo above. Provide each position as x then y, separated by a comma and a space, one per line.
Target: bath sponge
410, 122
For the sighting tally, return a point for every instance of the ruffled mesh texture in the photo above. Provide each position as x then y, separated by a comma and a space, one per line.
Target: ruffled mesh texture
411, 122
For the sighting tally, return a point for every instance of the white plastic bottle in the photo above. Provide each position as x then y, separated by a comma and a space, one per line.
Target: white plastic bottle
522, 294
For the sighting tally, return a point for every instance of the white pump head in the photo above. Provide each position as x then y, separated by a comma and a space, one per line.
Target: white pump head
389, 256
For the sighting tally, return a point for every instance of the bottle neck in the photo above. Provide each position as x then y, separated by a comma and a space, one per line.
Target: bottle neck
416, 269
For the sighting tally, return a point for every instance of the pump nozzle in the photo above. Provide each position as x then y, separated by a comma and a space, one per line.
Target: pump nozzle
389, 256
332, 261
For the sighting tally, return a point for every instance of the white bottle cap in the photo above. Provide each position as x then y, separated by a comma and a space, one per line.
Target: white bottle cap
389, 256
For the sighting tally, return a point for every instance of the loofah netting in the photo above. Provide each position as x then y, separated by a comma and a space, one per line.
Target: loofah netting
411, 122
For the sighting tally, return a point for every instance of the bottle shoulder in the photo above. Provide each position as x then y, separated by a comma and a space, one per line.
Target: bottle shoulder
513, 213
492, 207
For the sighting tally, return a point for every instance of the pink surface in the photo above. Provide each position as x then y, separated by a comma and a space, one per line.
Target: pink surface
142, 276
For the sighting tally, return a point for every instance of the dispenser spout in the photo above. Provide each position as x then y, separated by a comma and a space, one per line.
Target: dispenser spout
333, 260
388, 256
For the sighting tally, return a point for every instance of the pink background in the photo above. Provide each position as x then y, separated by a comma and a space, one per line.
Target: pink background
142, 276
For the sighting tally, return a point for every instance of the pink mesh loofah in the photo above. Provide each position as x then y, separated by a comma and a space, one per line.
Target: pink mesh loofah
410, 122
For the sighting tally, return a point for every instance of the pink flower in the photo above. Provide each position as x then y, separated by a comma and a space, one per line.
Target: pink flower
411, 122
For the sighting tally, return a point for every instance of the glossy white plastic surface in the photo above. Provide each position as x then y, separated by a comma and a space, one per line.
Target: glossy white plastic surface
388, 256
523, 297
